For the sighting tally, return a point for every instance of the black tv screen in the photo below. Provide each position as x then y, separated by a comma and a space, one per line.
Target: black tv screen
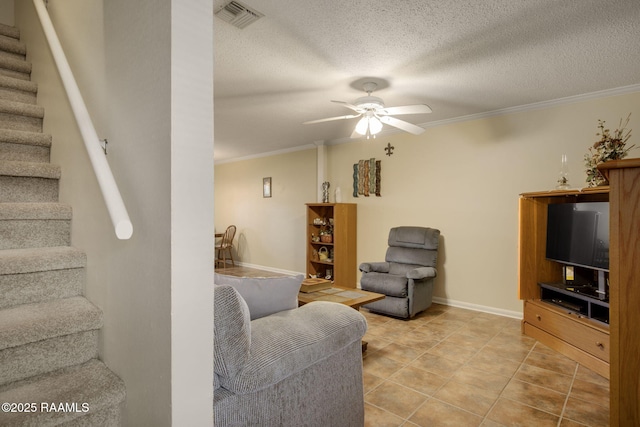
578, 234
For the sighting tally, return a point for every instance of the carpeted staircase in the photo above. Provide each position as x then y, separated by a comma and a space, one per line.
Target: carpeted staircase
49, 368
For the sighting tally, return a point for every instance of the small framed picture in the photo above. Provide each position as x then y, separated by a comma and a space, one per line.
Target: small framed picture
266, 187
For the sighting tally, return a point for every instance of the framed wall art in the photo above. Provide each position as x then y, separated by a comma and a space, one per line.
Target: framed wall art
266, 187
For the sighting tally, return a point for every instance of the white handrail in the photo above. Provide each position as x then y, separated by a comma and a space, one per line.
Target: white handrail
108, 186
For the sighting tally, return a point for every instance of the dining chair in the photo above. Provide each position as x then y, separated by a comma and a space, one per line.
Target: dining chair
226, 247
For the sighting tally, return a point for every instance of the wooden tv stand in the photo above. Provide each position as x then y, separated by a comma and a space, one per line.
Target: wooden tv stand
564, 327
624, 290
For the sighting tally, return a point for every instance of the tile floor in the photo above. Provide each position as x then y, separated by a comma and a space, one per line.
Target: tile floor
456, 367
241, 271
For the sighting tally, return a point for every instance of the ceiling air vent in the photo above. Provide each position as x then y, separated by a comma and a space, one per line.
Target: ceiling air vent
238, 14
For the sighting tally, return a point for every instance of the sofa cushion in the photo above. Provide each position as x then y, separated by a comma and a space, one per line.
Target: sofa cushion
232, 331
265, 295
290, 341
382, 283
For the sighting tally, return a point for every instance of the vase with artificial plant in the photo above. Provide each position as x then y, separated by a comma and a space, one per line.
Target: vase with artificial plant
611, 146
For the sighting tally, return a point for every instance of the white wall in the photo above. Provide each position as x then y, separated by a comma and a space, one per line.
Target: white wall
464, 179
7, 12
154, 289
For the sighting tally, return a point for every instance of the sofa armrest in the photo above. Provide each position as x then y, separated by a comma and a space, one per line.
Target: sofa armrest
287, 342
378, 267
421, 273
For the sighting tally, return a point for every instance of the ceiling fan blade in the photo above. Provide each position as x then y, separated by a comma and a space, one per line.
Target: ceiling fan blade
401, 124
406, 109
346, 104
351, 116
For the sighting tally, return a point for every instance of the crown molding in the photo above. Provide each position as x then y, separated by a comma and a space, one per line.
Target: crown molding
503, 111
267, 154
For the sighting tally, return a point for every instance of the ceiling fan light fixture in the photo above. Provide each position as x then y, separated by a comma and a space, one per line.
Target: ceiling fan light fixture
375, 125
373, 114
362, 126
369, 125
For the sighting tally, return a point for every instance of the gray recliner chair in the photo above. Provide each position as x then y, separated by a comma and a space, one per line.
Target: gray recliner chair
407, 275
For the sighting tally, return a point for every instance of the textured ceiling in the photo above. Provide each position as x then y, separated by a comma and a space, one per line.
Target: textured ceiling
459, 57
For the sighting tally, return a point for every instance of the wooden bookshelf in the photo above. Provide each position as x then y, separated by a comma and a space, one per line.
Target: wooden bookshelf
341, 218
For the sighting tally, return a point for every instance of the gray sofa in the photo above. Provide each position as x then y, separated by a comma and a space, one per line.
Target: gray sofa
299, 367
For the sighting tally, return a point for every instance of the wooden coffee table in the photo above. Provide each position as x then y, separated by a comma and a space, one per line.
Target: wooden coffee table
348, 296
352, 297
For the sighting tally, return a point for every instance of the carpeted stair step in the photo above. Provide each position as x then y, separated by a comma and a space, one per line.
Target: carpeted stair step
14, 67
35, 275
18, 90
33, 225
21, 116
41, 337
28, 182
21, 146
9, 31
24, 361
12, 47
91, 383
29, 323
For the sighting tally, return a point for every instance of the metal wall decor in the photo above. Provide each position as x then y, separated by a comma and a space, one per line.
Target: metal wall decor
389, 149
366, 178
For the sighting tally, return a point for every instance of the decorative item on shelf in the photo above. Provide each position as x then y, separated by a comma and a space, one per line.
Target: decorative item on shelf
611, 146
314, 238
563, 178
325, 192
314, 255
319, 221
326, 237
366, 177
323, 253
329, 275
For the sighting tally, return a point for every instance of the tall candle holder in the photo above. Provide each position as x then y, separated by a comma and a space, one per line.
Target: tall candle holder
563, 178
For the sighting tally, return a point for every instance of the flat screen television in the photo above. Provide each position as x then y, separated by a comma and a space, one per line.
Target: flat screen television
578, 234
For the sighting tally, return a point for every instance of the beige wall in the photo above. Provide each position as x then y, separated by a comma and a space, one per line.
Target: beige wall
154, 289
270, 231
464, 179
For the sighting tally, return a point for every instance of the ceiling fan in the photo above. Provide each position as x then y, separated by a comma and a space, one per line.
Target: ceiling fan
374, 114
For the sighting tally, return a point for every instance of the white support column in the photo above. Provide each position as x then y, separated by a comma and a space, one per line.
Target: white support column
321, 167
